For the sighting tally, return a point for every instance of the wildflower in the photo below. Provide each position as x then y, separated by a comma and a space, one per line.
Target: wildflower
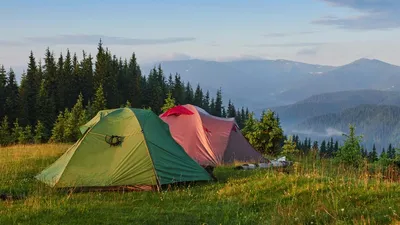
342, 209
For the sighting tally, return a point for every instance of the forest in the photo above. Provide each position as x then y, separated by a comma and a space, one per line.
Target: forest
64, 93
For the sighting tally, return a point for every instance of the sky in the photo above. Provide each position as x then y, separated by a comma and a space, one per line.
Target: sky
328, 32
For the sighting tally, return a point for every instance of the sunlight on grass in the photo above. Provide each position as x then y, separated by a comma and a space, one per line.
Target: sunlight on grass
311, 192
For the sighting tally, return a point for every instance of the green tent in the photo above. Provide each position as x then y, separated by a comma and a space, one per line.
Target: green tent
123, 147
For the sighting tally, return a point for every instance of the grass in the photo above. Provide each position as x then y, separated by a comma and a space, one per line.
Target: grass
310, 193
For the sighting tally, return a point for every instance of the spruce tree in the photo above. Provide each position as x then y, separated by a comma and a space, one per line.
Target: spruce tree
40, 133
189, 97
99, 102
57, 134
231, 110
28, 93
323, 149
289, 148
178, 91
3, 93
13, 100
5, 136
72, 122
169, 103
218, 104
373, 155
206, 102
391, 152
350, 152
17, 131
198, 97
212, 107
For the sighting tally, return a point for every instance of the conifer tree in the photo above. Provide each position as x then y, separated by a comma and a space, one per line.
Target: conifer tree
350, 152
178, 91
373, 155
169, 103
224, 115
323, 149
198, 97
12, 100
212, 107
289, 148
3, 93
17, 131
391, 152
39, 133
72, 121
189, 98
99, 102
58, 129
206, 102
218, 104
231, 110
28, 93
5, 136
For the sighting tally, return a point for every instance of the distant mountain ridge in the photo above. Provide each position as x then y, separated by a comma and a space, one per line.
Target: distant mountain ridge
333, 102
379, 124
261, 84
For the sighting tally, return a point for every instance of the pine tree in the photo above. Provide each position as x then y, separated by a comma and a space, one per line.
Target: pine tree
71, 125
99, 102
323, 149
17, 131
350, 152
5, 136
86, 82
40, 133
336, 148
224, 115
218, 104
3, 92
45, 110
178, 92
13, 100
231, 110
373, 155
289, 148
58, 129
212, 107
28, 93
50, 84
189, 97
169, 103
26, 136
391, 152
206, 102
198, 97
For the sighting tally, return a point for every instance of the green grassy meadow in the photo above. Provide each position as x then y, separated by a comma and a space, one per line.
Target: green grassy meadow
311, 192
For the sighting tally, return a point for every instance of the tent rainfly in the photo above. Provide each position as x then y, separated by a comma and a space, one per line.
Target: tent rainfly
208, 139
123, 147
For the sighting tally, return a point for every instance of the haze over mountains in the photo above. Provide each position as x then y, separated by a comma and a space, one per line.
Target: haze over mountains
311, 100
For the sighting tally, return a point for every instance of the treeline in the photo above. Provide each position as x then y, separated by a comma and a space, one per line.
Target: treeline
56, 96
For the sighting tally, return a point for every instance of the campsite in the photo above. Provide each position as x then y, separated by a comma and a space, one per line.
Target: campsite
200, 112
127, 168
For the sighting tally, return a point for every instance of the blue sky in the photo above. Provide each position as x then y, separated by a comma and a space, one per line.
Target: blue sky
332, 32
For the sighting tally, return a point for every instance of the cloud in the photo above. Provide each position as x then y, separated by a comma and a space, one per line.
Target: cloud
307, 51
294, 44
329, 132
376, 15
109, 40
11, 43
288, 34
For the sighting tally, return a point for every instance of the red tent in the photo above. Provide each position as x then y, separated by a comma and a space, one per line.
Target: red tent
208, 139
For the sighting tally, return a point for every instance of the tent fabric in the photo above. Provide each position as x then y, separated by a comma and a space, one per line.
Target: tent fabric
178, 110
208, 139
147, 155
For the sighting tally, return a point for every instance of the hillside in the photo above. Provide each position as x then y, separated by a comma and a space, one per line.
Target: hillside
379, 124
313, 192
333, 102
